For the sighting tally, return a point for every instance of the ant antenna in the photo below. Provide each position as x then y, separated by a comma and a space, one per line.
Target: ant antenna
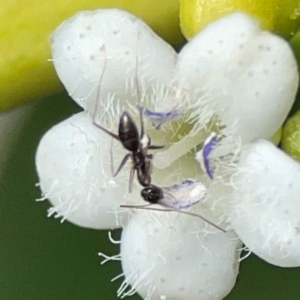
137, 86
111, 157
174, 210
98, 98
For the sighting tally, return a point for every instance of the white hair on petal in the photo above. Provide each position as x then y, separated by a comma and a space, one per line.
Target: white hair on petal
113, 241
109, 258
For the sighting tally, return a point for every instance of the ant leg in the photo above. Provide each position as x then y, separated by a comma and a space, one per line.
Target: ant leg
123, 162
131, 179
134, 206
141, 117
153, 147
111, 158
97, 101
137, 86
107, 131
174, 210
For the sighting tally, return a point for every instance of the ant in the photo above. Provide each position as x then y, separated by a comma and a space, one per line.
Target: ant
137, 144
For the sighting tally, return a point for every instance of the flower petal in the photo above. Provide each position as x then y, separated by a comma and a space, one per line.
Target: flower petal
115, 43
264, 208
74, 168
246, 76
168, 255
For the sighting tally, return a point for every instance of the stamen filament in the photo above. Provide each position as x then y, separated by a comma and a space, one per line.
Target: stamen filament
164, 159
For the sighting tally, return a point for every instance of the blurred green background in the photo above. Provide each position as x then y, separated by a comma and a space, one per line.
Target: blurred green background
44, 259
40, 257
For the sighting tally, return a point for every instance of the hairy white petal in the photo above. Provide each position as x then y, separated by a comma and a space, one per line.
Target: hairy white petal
246, 76
265, 205
84, 44
74, 168
173, 256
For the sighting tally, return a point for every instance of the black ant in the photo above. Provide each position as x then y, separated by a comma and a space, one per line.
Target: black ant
137, 144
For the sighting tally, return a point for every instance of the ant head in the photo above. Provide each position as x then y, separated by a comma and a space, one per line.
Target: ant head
152, 194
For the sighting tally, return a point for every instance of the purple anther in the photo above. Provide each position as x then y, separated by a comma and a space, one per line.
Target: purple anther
158, 118
206, 150
188, 181
184, 195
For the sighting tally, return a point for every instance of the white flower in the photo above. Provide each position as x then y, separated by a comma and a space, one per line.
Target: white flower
232, 77
264, 206
178, 257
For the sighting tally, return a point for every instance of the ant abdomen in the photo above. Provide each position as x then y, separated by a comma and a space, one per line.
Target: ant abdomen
152, 194
128, 133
